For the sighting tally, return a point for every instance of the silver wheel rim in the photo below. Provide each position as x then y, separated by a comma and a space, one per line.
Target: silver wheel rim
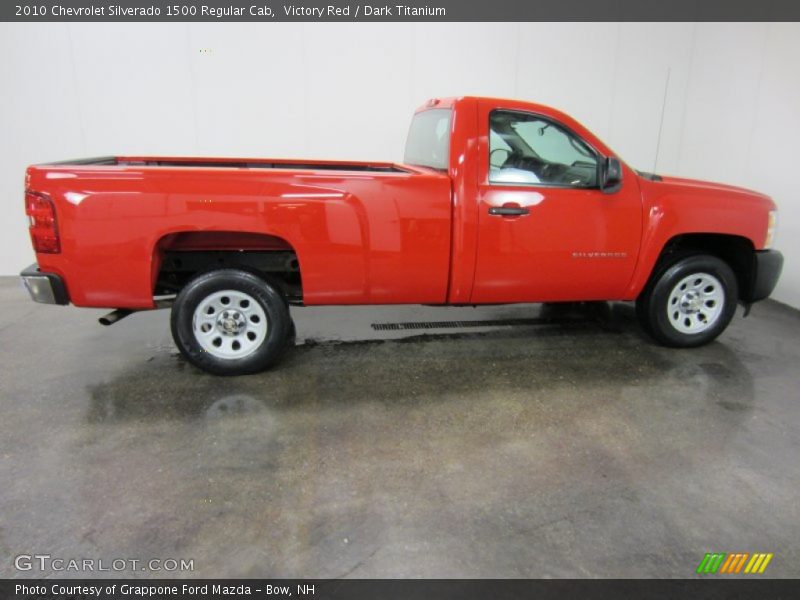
229, 324
696, 303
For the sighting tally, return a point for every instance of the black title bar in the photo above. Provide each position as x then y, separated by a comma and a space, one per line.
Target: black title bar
401, 11
711, 588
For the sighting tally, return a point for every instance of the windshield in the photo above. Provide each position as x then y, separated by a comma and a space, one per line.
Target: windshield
428, 143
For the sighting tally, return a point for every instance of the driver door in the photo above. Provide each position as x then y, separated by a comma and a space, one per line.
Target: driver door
546, 231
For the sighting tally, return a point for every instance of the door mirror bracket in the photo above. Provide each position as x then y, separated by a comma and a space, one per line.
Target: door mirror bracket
610, 175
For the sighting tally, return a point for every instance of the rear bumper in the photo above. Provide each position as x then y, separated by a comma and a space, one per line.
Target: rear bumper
47, 288
769, 264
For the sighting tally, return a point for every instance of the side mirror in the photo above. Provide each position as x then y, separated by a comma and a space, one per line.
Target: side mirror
610, 176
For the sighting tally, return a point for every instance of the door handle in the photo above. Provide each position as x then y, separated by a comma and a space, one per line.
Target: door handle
508, 211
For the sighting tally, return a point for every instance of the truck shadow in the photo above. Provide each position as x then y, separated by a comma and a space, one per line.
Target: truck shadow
581, 348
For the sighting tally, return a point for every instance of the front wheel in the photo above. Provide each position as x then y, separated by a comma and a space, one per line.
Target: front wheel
230, 322
690, 303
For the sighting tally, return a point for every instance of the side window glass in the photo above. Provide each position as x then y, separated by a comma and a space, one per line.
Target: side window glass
526, 149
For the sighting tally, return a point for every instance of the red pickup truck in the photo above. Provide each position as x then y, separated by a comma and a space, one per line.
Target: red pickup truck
497, 201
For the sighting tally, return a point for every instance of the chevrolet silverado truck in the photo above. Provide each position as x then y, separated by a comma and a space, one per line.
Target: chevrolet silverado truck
497, 201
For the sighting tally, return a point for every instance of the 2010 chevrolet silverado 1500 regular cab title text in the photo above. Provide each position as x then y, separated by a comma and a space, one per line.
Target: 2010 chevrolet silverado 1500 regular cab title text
498, 201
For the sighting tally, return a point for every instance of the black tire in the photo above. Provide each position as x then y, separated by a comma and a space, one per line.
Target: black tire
291, 338
270, 328
698, 312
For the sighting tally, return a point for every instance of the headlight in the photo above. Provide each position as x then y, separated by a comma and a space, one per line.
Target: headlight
772, 225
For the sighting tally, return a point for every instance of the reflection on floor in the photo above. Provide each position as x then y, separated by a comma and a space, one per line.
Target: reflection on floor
564, 444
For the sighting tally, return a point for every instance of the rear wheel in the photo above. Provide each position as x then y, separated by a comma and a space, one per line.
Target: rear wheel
690, 303
230, 322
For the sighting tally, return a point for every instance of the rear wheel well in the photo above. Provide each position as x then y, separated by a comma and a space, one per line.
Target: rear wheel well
738, 252
180, 257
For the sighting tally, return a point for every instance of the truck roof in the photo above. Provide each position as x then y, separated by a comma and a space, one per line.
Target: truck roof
448, 102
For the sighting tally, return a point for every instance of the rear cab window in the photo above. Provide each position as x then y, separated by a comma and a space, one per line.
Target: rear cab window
428, 143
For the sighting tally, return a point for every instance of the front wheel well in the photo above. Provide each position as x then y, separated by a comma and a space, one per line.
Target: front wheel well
737, 251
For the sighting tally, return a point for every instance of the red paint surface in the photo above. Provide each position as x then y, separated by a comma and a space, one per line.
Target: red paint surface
406, 236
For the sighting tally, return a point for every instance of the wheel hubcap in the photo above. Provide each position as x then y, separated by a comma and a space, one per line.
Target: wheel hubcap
230, 324
696, 303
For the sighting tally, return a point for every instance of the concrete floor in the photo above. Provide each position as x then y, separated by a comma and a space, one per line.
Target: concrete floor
574, 449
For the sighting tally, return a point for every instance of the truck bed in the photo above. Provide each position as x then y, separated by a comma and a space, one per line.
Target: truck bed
357, 232
230, 163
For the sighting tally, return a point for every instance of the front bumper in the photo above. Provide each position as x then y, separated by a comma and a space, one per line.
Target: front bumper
769, 264
47, 288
